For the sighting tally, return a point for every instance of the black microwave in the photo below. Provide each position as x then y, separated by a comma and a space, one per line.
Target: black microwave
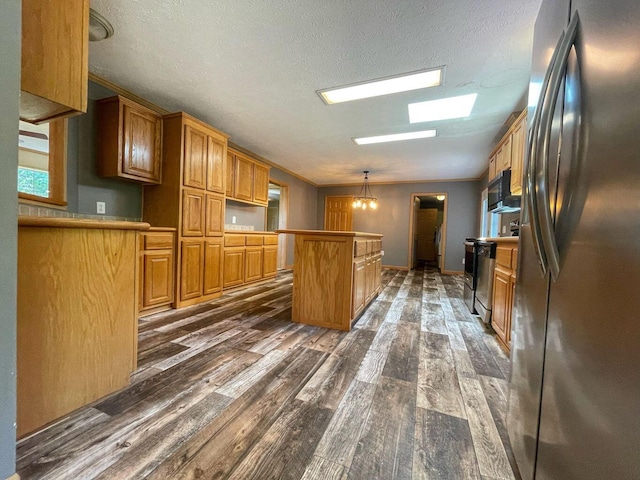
500, 198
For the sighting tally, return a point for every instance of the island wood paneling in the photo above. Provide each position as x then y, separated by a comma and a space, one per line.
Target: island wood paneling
77, 312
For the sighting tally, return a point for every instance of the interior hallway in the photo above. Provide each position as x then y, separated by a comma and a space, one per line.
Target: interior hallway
233, 389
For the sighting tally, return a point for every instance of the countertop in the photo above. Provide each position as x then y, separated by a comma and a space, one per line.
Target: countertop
515, 240
331, 233
58, 222
248, 232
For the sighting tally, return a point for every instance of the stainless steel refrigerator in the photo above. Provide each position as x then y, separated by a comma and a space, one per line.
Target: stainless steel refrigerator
574, 396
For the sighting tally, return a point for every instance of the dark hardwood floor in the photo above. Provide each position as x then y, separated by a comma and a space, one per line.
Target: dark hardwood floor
234, 389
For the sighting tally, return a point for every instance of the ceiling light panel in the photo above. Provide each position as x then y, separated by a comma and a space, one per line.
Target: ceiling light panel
385, 86
443, 109
395, 137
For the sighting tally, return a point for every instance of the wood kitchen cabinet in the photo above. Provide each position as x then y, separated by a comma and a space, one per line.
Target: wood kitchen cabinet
191, 199
129, 143
509, 153
504, 279
249, 257
249, 179
157, 260
55, 59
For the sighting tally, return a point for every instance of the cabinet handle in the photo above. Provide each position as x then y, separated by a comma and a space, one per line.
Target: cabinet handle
542, 168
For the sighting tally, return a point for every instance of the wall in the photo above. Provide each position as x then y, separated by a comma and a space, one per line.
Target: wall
10, 21
303, 203
394, 208
245, 214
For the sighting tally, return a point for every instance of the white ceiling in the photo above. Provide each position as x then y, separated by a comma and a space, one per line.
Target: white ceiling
251, 68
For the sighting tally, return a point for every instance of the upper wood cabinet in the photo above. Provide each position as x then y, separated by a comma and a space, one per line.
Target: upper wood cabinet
216, 152
249, 179
518, 140
55, 54
129, 140
195, 158
509, 153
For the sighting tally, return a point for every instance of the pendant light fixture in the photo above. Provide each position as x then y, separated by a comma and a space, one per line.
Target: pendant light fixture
365, 199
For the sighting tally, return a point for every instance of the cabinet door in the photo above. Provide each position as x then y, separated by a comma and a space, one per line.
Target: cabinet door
501, 295
191, 270
158, 279
142, 133
505, 155
359, 287
260, 184
215, 165
214, 216
195, 158
378, 264
243, 179
517, 155
193, 208
233, 267
253, 264
212, 266
55, 59
269, 261
230, 174
492, 167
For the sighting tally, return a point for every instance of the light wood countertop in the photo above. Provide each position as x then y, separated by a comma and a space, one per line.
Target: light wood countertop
515, 240
248, 232
331, 233
55, 222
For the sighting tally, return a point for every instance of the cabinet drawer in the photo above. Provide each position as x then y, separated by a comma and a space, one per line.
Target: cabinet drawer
234, 240
360, 248
158, 241
254, 239
503, 256
270, 239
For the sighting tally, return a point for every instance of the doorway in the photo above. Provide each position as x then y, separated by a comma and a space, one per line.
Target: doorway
427, 230
276, 217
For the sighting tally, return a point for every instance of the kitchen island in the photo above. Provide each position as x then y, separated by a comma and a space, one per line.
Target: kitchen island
77, 314
335, 276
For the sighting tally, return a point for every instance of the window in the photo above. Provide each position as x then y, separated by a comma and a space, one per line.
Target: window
489, 222
42, 162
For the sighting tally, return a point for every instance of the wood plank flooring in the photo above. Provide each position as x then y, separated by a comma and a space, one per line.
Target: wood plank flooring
234, 389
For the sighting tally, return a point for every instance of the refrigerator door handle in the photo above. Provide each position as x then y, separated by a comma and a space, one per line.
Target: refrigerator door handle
532, 151
541, 171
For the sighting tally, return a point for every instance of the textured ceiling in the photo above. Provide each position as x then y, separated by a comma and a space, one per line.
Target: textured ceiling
251, 68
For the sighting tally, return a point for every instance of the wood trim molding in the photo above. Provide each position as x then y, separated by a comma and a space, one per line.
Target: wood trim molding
15, 476
396, 267
452, 272
126, 93
444, 224
399, 182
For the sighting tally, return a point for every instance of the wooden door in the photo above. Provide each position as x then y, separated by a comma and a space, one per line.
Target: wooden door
233, 267
501, 294
142, 137
243, 179
359, 287
426, 248
253, 264
193, 209
195, 158
338, 213
230, 173
191, 263
158, 279
212, 266
269, 261
215, 165
260, 184
517, 155
214, 215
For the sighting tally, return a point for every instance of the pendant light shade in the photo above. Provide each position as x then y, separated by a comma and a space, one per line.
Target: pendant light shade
365, 199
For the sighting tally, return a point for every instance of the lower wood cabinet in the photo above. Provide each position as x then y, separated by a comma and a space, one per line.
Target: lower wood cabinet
157, 260
191, 269
359, 287
504, 280
213, 251
249, 258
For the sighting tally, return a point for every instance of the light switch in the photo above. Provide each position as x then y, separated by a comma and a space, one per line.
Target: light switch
101, 207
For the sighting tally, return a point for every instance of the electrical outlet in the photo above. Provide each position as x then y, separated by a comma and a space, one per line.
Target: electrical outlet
463, 261
382, 253
101, 207
233, 220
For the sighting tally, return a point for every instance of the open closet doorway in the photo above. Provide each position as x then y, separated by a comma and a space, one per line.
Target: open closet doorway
277, 213
428, 230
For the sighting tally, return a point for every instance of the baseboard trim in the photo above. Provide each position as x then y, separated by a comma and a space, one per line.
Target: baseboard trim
394, 267
15, 476
452, 272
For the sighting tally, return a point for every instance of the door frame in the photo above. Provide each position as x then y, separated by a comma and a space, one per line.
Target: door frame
283, 220
412, 200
